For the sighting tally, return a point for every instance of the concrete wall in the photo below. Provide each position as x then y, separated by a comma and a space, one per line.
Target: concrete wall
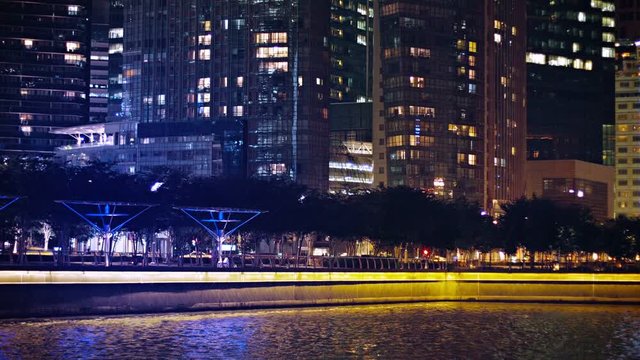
54, 293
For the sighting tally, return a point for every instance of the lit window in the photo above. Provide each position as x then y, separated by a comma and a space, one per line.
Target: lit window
588, 65
204, 54
417, 82
72, 46
161, 99
116, 33
608, 37
608, 22
28, 43
422, 110
222, 110
240, 81
272, 52
73, 58
206, 25
608, 52
115, 48
204, 39
472, 74
472, 60
496, 37
237, 111
271, 38
578, 64
273, 66
559, 61
204, 83
575, 47
473, 46
472, 159
535, 58
72, 9
420, 52
395, 110
582, 17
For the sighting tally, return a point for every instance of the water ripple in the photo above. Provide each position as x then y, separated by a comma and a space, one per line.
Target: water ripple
431, 330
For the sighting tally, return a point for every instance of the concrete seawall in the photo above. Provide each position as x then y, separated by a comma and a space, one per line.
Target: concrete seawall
54, 293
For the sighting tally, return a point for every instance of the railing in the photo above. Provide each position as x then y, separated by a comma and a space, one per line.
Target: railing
266, 262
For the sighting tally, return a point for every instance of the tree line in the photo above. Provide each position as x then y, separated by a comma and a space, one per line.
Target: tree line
389, 217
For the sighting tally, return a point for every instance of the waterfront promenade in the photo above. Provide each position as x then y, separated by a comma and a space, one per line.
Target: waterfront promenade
28, 293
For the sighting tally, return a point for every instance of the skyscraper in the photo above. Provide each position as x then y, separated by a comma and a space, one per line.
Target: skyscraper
627, 154
116, 46
351, 45
99, 62
249, 77
44, 50
628, 19
570, 51
449, 98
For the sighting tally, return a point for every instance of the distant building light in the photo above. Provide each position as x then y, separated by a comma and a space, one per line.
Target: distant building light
155, 187
580, 193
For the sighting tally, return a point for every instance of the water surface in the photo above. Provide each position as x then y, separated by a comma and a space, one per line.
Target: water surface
428, 330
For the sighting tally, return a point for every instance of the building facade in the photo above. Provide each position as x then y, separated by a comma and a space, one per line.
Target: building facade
351, 46
351, 150
570, 68
627, 143
449, 98
99, 62
44, 77
116, 47
628, 19
256, 71
573, 182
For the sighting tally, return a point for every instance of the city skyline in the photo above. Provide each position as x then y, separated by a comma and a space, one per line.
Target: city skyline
245, 89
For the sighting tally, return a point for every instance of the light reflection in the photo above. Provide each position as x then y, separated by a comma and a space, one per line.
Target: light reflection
487, 330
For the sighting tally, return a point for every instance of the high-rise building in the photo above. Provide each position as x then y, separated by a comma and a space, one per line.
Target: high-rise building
116, 46
351, 44
627, 154
505, 30
251, 76
99, 62
628, 19
449, 109
351, 151
351, 78
44, 51
570, 51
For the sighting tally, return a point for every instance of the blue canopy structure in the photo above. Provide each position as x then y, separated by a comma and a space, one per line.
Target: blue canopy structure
6, 201
104, 217
220, 222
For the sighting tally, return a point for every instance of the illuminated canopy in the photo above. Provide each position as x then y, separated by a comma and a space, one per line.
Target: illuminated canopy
6, 201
